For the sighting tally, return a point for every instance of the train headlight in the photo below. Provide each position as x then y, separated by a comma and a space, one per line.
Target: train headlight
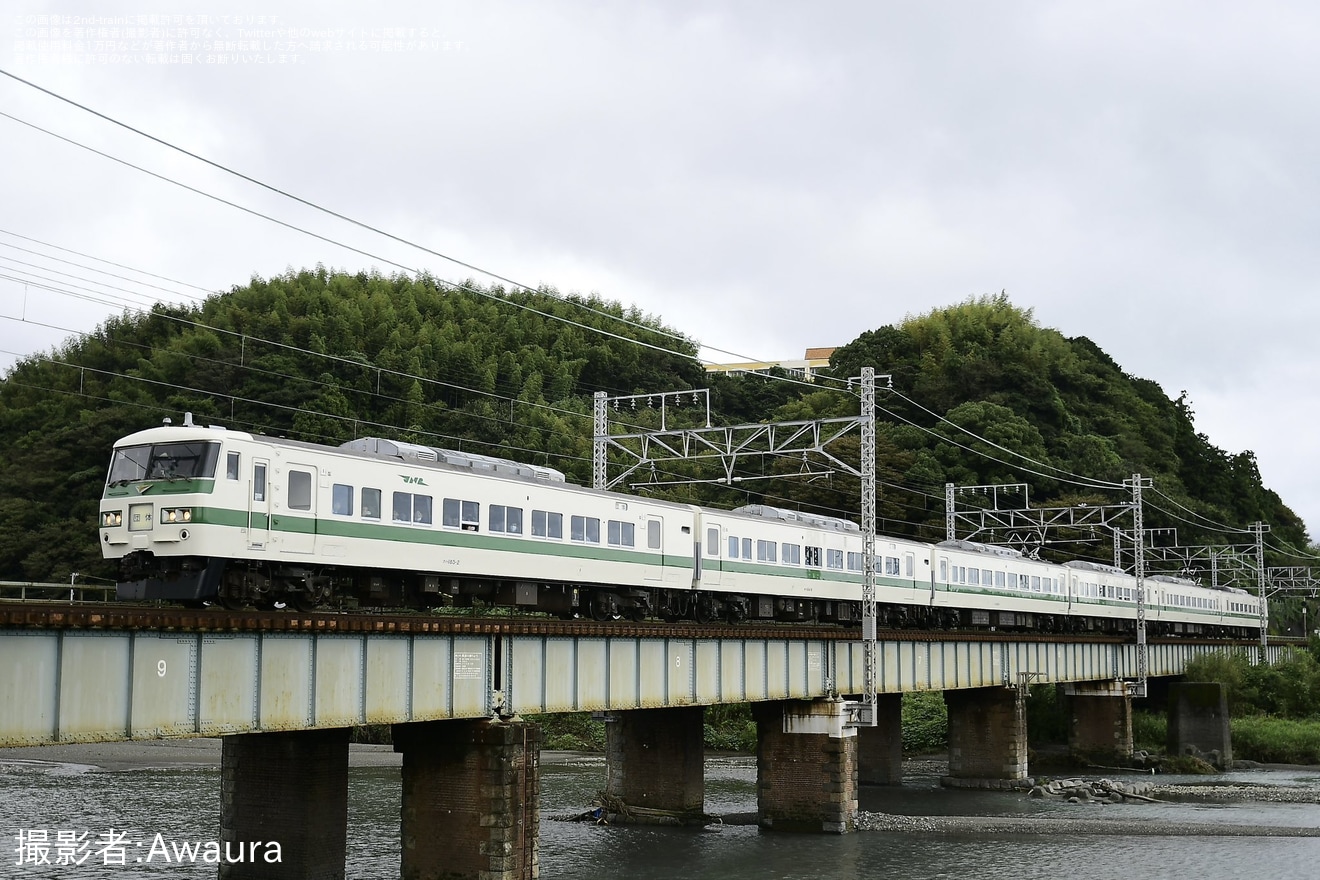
111, 518
176, 515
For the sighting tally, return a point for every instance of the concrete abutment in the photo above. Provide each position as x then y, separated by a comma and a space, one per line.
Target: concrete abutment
1100, 721
1198, 721
806, 766
880, 748
289, 787
654, 760
471, 793
987, 737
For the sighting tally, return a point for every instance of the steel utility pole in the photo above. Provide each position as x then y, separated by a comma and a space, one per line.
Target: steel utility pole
1139, 572
728, 444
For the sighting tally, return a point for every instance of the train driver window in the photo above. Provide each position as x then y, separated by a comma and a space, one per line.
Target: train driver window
371, 504
712, 542
231, 466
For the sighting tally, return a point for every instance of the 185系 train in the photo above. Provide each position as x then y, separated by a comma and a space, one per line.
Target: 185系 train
207, 515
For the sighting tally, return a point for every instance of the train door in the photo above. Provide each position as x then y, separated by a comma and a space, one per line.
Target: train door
712, 567
655, 536
295, 516
259, 506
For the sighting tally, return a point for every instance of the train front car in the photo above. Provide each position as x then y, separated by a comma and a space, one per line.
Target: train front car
159, 500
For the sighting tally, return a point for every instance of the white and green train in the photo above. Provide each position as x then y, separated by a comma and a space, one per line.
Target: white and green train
207, 515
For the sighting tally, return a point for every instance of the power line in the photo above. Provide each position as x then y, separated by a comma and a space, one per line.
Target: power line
408, 269
101, 260
321, 208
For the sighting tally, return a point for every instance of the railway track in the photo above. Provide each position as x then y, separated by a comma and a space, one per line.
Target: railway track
100, 615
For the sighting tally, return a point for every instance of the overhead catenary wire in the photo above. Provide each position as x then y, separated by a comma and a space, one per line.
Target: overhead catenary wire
326, 239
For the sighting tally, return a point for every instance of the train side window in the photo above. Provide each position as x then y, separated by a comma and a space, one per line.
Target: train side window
258, 482
547, 525
854, 561
834, 559
653, 535
944, 571
1035, 584
1024, 583
471, 516
987, 577
813, 557
891, 566
341, 500
371, 504
403, 507
747, 548
734, 543
999, 579
767, 551
495, 518
712, 542
621, 534
585, 529
422, 509
231, 466
974, 576
449, 513
791, 554
300, 490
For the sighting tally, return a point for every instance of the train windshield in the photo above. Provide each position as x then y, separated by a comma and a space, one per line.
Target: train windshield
164, 461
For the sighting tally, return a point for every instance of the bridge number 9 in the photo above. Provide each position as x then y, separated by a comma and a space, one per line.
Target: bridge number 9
160, 669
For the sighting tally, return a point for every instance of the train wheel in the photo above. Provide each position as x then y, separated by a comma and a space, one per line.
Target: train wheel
602, 609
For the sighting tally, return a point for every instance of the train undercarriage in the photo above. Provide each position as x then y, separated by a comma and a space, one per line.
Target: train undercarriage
199, 581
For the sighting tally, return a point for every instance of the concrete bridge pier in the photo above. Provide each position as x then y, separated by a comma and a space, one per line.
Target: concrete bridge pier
471, 793
880, 748
1198, 721
987, 738
1101, 721
806, 766
291, 788
654, 759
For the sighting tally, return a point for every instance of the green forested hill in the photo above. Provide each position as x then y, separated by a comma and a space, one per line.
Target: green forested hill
327, 357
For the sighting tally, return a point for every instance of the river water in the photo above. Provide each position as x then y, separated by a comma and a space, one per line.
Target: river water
182, 805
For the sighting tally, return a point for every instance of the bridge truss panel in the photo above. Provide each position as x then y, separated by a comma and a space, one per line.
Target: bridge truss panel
109, 685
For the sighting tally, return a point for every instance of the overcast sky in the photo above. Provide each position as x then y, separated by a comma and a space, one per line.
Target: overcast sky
765, 177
